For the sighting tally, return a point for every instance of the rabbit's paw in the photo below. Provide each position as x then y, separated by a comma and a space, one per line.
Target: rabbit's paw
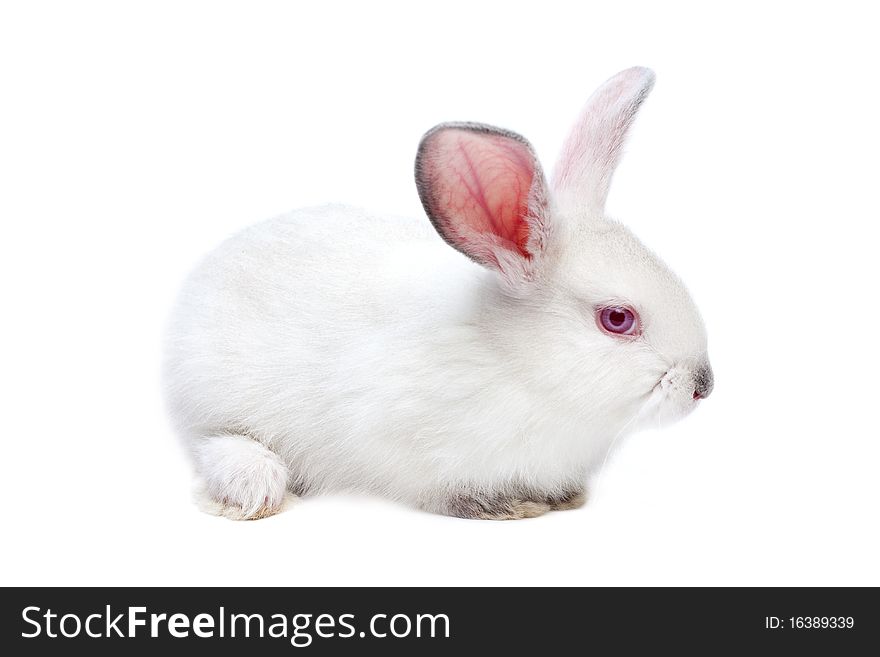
501, 508
517, 510
244, 480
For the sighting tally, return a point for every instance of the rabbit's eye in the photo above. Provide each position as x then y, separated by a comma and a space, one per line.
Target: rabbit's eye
619, 320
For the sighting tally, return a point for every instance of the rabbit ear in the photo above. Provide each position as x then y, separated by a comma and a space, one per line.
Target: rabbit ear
591, 153
483, 190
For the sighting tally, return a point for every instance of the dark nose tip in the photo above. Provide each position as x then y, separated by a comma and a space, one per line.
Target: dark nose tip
704, 381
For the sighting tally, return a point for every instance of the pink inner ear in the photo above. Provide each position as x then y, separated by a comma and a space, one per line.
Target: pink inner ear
479, 188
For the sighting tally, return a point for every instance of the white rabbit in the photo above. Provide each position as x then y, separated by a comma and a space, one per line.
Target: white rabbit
330, 349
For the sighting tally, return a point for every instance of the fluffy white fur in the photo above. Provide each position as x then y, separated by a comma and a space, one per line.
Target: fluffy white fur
330, 349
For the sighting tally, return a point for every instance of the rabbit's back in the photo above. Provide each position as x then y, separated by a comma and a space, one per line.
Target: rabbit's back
286, 329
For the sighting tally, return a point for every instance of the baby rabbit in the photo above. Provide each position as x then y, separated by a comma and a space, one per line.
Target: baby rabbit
332, 349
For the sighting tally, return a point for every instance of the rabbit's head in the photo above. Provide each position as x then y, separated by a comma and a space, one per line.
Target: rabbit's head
595, 314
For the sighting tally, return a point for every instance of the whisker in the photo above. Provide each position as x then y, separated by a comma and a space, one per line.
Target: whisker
666, 359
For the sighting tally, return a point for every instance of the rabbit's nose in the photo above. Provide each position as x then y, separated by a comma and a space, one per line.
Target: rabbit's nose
704, 381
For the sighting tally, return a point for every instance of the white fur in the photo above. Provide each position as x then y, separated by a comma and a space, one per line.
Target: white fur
345, 351
249, 479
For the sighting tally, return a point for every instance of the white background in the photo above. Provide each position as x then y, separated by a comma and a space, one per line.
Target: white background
135, 137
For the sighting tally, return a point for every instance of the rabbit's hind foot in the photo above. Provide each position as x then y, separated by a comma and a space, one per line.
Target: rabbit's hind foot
243, 479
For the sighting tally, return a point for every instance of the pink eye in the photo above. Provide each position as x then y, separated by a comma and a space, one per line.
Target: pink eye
619, 320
